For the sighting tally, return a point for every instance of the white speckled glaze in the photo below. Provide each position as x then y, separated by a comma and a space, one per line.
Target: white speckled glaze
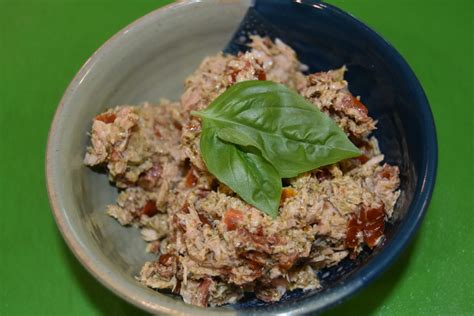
146, 61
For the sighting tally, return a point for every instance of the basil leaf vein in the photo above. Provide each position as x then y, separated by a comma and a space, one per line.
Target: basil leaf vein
249, 175
290, 133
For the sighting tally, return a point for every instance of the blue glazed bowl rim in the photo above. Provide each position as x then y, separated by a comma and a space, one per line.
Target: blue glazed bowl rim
424, 190
361, 278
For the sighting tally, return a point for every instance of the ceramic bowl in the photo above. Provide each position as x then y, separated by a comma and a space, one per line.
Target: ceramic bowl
150, 59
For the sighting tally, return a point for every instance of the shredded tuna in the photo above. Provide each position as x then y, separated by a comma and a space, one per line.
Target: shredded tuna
210, 246
329, 92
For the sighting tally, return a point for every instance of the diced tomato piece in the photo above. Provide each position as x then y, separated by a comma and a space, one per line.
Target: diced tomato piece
353, 229
287, 193
166, 259
177, 125
261, 75
374, 225
232, 217
370, 223
387, 172
191, 179
149, 208
233, 75
363, 159
107, 118
166, 266
359, 105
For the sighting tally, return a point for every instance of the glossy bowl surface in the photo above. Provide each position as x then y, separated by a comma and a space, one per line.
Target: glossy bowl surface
150, 59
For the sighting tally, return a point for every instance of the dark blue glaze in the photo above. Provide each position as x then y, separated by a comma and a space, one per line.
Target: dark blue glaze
325, 37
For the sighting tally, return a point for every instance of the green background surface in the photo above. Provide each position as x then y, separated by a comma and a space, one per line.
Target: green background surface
44, 43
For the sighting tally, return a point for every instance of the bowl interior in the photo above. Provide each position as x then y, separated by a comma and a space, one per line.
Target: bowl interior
150, 59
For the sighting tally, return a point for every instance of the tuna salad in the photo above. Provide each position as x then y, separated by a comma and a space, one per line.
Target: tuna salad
211, 244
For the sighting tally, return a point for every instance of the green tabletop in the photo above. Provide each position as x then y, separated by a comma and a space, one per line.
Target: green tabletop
44, 42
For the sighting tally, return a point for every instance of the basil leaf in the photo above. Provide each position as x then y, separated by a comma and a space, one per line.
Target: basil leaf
253, 178
288, 131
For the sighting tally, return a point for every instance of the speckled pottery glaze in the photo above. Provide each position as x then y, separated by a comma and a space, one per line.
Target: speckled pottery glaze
150, 59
